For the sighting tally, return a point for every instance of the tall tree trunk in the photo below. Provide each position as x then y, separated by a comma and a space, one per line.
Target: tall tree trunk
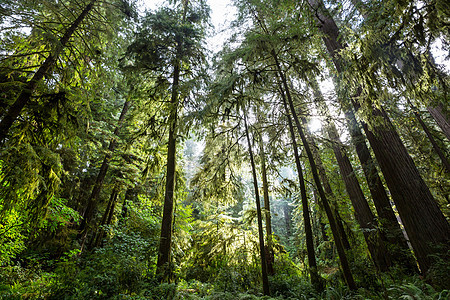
433, 142
24, 97
364, 216
265, 187
390, 225
426, 226
287, 99
286, 96
258, 212
329, 193
93, 198
441, 119
316, 280
163, 265
106, 219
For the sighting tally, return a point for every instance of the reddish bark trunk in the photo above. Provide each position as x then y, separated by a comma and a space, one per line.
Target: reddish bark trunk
363, 214
287, 99
426, 226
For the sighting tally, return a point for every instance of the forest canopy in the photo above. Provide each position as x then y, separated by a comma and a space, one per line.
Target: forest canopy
307, 157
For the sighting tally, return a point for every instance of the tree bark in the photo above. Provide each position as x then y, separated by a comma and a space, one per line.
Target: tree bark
287, 99
265, 187
426, 226
387, 218
163, 267
441, 119
316, 280
329, 193
436, 148
163, 264
265, 278
363, 214
24, 97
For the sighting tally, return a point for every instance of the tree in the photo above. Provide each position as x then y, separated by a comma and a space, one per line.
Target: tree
337, 238
258, 211
363, 214
265, 188
92, 201
168, 45
24, 97
425, 224
316, 280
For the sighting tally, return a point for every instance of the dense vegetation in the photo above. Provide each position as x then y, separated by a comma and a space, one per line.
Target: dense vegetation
308, 158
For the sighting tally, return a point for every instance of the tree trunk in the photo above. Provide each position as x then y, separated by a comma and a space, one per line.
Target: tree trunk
316, 280
363, 214
106, 219
441, 119
399, 248
265, 187
287, 99
163, 265
329, 193
424, 223
426, 226
24, 97
93, 198
258, 211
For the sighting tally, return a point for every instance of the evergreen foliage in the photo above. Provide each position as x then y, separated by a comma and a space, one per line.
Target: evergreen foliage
136, 164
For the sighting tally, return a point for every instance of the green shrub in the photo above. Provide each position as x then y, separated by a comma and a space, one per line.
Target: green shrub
416, 290
290, 287
120, 268
439, 273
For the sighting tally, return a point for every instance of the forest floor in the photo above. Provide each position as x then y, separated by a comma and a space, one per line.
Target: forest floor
68, 281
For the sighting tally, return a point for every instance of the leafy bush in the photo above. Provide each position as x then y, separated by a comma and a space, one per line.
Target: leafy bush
439, 273
17, 282
121, 267
416, 290
237, 279
290, 287
12, 237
